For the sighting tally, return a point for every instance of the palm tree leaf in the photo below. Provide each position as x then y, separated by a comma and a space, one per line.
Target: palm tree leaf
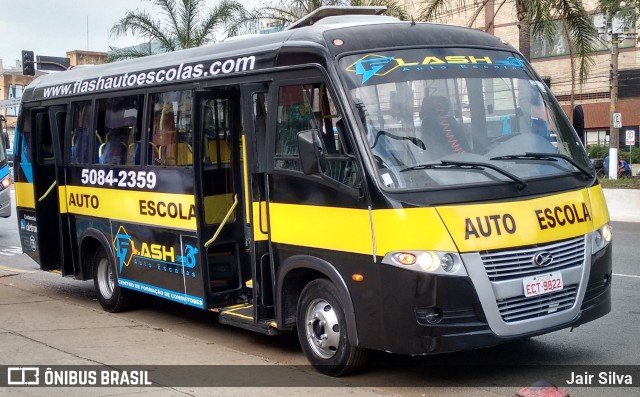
141, 23
584, 35
222, 14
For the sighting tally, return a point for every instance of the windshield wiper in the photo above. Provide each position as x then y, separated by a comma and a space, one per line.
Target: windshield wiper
468, 165
546, 157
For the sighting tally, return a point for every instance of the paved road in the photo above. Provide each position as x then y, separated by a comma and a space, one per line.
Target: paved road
49, 320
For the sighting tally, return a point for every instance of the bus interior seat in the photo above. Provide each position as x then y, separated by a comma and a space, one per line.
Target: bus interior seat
185, 153
114, 150
441, 132
218, 149
134, 154
80, 144
165, 137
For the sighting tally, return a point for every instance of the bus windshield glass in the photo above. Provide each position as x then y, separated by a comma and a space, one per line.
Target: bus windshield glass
436, 117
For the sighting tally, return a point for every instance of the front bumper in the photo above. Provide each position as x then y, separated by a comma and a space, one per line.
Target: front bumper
424, 313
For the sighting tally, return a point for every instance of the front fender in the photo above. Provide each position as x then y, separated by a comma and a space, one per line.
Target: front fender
318, 265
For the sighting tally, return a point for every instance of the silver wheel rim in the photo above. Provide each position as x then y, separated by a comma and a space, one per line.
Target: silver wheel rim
322, 328
106, 278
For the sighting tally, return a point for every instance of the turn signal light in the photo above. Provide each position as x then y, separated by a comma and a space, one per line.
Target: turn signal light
405, 258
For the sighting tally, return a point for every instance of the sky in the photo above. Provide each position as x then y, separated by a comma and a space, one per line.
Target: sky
53, 27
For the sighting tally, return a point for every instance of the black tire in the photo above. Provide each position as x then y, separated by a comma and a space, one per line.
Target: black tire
112, 298
322, 331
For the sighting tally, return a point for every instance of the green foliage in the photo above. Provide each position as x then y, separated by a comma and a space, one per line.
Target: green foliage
597, 151
632, 182
601, 151
182, 24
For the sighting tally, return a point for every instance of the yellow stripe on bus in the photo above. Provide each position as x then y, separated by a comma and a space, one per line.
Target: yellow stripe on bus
518, 223
341, 229
152, 208
24, 195
599, 208
410, 229
469, 228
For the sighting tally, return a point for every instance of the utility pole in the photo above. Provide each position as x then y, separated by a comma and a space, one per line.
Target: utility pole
613, 130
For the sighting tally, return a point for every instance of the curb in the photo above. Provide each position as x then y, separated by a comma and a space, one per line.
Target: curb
623, 204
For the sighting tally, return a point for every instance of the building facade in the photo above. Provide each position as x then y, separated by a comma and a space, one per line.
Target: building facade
552, 61
13, 82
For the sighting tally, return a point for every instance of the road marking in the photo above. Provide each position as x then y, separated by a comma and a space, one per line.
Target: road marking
13, 269
11, 251
626, 275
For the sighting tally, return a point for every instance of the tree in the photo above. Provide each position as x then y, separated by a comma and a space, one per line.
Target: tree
184, 24
536, 18
285, 12
626, 9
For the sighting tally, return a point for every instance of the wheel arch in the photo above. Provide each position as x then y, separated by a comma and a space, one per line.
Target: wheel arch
295, 273
90, 241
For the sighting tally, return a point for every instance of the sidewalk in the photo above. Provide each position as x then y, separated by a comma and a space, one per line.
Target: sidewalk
623, 204
38, 330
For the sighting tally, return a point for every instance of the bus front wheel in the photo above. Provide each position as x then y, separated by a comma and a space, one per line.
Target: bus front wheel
112, 298
322, 330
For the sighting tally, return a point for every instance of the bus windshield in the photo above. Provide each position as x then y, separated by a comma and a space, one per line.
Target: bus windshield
436, 117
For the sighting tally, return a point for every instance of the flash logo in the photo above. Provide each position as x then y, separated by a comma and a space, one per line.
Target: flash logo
368, 66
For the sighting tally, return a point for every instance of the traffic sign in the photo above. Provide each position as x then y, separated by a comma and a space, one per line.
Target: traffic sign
630, 138
617, 120
9, 103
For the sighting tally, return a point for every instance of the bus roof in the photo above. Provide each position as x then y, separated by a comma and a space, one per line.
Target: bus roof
245, 54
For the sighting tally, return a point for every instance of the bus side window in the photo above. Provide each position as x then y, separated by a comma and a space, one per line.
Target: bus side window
45, 141
170, 133
260, 122
80, 130
294, 115
118, 121
216, 127
310, 106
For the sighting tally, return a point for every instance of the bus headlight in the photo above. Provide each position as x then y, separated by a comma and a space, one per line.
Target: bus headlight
6, 182
600, 238
436, 262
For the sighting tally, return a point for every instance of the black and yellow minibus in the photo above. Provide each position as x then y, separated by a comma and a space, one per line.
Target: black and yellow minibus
345, 178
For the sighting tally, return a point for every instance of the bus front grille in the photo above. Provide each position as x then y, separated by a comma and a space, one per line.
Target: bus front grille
513, 264
522, 308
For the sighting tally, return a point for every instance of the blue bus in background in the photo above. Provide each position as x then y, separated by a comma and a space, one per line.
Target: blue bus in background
5, 178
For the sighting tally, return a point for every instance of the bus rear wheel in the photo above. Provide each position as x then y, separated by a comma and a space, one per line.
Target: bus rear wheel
322, 331
112, 298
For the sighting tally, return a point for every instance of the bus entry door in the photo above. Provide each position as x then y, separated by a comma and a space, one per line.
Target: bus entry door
48, 131
219, 195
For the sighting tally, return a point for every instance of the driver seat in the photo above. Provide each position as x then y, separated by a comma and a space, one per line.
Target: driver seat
441, 133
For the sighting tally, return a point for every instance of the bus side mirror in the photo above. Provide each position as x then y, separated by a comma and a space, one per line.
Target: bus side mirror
312, 152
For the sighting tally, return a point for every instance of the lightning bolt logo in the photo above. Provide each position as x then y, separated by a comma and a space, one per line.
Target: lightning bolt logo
369, 65
124, 247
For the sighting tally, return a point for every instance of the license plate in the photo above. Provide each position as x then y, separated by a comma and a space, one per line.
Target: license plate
542, 284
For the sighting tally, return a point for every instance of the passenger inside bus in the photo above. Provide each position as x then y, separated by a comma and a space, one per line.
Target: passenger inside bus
440, 132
